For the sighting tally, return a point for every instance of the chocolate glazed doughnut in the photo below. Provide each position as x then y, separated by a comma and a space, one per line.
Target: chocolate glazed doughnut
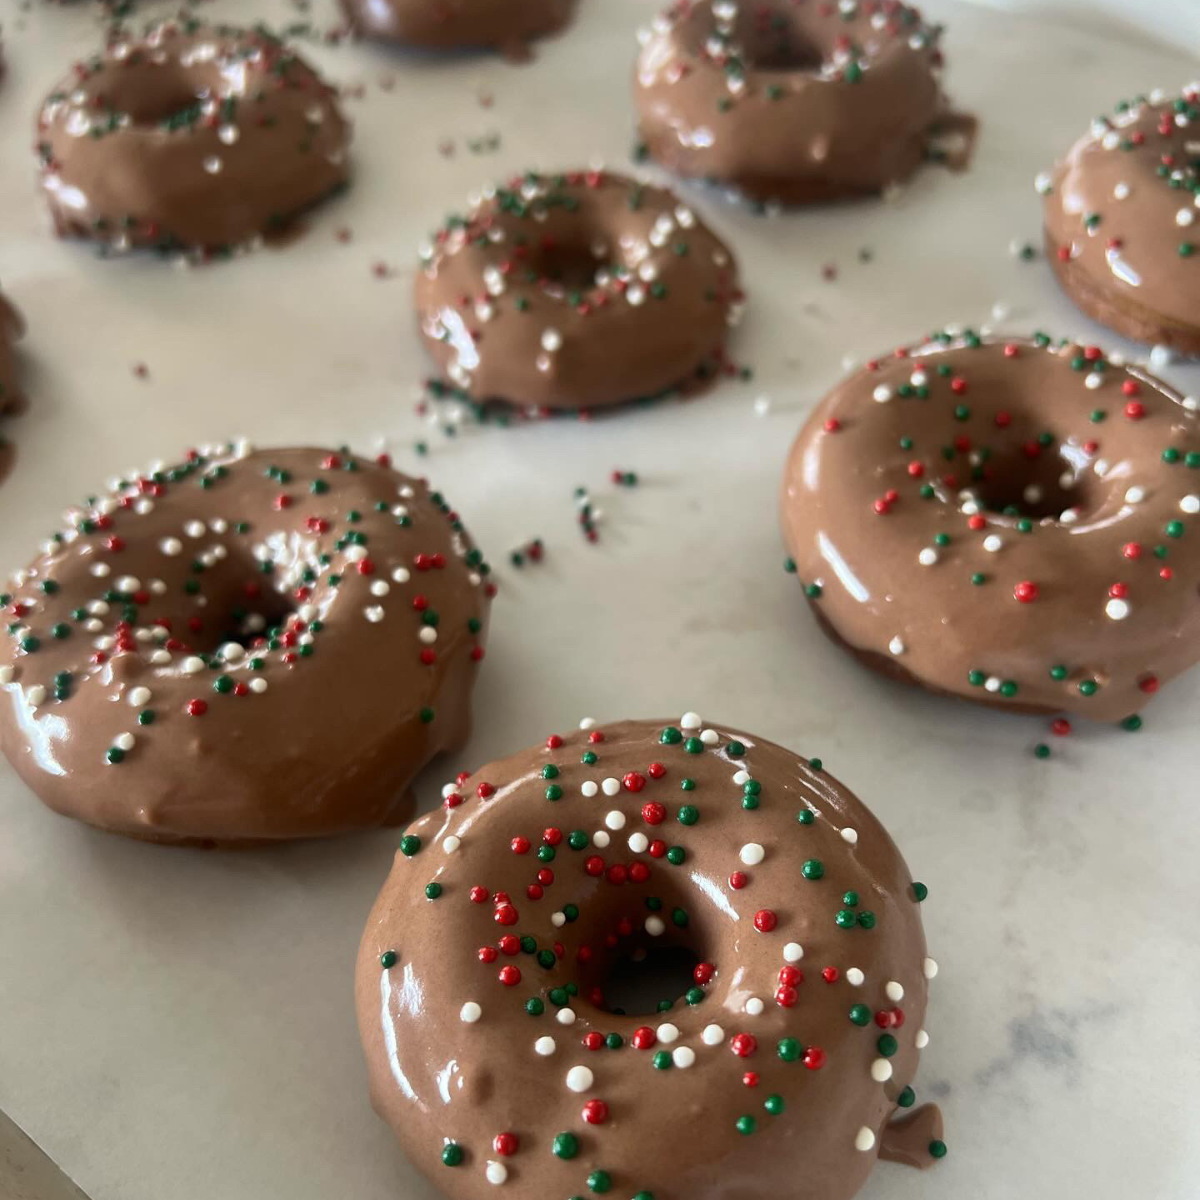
1120, 211
483, 976
12, 327
576, 291
243, 648
192, 136
790, 100
448, 24
1006, 521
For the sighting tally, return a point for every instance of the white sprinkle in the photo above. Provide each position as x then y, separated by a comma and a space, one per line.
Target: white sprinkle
882, 394
374, 614
752, 854
921, 1040
793, 952
667, 1033
545, 1046
611, 786
213, 164
400, 575
565, 1016
689, 720
1190, 504
740, 777
854, 977
195, 529
587, 723
1161, 356
864, 1139
896, 645
192, 665
1135, 495
850, 835
258, 685
35, 695
930, 968
170, 546
683, 1057
600, 839
232, 651
1121, 191
496, 1172
100, 570
918, 378
589, 787
1117, 610
992, 543
754, 1006
470, 1013
123, 741
881, 1070
1184, 216
894, 992
615, 820
762, 405
139, 697
380, 588
1043, 185
428, 635
639, 843
558, 919
551, 340
579, 1079
927, 557
710, 737
451, 842
993, 683
1093, 379
655, 926
713, 1035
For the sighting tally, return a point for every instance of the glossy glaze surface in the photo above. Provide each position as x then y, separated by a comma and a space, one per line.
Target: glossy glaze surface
447, 24
1121, 212
12, 327
801, 101
1004, 520
595, 846
191, 136
247, 647
575, 291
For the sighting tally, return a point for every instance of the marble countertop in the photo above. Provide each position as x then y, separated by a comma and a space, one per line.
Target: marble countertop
180, 1024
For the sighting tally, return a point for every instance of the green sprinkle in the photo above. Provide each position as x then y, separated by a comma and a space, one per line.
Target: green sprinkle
433, 891
388, 959
746, 1125
410, 844
813, 868
452, 1154
566, 1145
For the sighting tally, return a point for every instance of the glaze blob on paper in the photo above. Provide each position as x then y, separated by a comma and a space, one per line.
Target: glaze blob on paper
790, 100
193, 136
246, 647
1012, 521
576, 291
1121, 215
493, 1050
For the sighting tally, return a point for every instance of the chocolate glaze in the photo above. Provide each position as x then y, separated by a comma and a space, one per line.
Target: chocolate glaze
457, 1056
447, 24
790, 100
1121, 213
1007, 521
575, 291
327, 613
191, 136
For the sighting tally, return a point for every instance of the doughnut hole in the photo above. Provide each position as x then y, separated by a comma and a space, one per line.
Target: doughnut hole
626, 968
152, 94
768, 36
1039, 488
771, 41
570, 265
236, 602
639, 978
